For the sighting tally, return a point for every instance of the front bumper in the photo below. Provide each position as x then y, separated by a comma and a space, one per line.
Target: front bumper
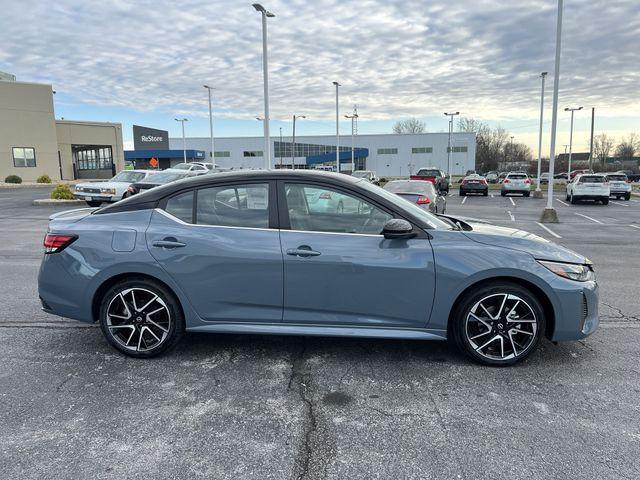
95, 197
577, 315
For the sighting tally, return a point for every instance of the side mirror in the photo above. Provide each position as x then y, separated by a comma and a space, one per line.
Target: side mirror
398, 228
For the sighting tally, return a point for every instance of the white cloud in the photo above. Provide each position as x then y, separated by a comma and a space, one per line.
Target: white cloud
395, 58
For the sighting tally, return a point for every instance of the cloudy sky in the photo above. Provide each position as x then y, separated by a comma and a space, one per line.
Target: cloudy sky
145, 62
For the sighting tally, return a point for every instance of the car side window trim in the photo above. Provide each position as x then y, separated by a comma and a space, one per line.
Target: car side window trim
201, 225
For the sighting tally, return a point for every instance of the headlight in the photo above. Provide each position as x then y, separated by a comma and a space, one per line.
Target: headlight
79, 189
572, 271
110, 191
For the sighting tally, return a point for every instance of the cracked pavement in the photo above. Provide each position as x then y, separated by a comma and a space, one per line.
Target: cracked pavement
272, 407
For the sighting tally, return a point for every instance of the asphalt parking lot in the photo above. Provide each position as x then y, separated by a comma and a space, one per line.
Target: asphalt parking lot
233, 406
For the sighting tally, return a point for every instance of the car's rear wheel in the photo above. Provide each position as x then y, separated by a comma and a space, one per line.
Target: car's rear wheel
141, 318
486, 193
526, 194
462, 194
605, 201
499, 324
573, 199
627, 196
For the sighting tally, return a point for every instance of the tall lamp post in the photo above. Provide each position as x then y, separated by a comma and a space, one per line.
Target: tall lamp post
538, 192
549, 214
450, 115
569, 109
353, 153
337, 130
213, 152
267, 142
184, 140
293, 142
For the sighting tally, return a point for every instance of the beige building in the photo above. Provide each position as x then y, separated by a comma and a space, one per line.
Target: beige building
33, 142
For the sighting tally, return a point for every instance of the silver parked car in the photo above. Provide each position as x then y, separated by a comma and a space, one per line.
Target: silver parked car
251, 252
516, 182
420, 192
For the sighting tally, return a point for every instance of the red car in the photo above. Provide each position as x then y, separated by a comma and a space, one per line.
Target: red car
433, 175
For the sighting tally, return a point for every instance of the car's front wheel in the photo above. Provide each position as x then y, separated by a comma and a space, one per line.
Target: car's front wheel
141, 318
499, 324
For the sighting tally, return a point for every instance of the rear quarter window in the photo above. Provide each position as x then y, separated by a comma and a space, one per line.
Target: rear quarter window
181, 206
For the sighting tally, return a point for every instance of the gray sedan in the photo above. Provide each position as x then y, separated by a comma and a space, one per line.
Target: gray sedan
252, 253
420, 192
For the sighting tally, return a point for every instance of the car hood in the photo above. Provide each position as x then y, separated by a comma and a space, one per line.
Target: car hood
104, 185
540, 248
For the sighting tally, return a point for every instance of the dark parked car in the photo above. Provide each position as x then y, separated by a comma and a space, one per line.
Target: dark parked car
435, 176
474, 184
420, 192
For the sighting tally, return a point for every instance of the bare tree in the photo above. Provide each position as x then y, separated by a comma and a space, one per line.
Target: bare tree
602, 145
411, 125
628, 147
490, 143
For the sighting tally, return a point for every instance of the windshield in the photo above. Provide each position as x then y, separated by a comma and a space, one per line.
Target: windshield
421, 188
128, 177
618, 178
166, 177
426, 172
181, 166
406, 205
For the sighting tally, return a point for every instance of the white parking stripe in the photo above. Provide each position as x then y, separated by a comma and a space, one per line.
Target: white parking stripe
589, 218
512, 202
492, 197
513, 219
464, 200
635, 226
549, 230
558, 200
618, 203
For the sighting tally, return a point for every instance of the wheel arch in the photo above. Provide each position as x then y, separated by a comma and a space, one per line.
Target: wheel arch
542, 297
111, 281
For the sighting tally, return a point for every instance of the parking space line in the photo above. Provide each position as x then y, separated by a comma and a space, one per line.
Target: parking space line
589, 218
513, 219
464, 200
564, 203
512, 202
618, 203
549, 230
492, 196
635, 226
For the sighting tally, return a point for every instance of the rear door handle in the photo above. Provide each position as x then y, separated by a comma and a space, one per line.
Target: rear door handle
168, 242
302, 251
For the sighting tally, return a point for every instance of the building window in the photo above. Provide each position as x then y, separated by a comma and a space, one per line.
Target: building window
92, 157
254, 153
387, 151
24, 157
422, 150
222, 154
458, 149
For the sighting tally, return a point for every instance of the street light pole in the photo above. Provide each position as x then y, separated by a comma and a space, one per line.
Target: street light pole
549, 214
353, 155
293, 142
265, 73
568, 109
280, 147
184, 140
213, 152
538, 192
450, 115
337, 130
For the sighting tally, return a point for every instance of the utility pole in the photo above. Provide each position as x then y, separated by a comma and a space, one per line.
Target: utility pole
538, 192
549, 214
593, 113
450, 115
568, 109
265, 73
213, 152
184, 140
293, 143
353, 119
337, 130
280, 151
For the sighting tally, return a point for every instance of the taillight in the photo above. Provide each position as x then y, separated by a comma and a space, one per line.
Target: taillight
506, 180
325, 196
54, 243
423, 201
527, 181
464, 182
484, 181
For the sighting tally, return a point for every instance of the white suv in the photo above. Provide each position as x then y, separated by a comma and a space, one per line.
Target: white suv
619, 185
516, 182
588, 186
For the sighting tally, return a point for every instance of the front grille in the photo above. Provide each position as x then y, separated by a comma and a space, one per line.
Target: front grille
92, 190
584, 311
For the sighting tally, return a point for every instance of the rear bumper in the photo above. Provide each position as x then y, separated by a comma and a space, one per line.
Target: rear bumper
478, 188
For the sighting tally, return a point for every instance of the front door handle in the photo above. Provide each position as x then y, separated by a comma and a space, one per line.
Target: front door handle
168, 242
302, 251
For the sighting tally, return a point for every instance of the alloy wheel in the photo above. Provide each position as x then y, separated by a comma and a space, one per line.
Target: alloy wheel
138, 319
501, 326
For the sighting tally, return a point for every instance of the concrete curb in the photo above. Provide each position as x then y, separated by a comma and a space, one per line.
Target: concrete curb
53, 201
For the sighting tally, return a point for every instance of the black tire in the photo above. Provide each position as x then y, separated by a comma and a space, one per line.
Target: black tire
486, 193
503, 194
526, 194
93, 204
459, 327
462, 194
605, 201
174, 327
627, 196
566, 197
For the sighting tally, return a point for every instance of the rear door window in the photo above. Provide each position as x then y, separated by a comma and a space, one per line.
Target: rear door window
234, 206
